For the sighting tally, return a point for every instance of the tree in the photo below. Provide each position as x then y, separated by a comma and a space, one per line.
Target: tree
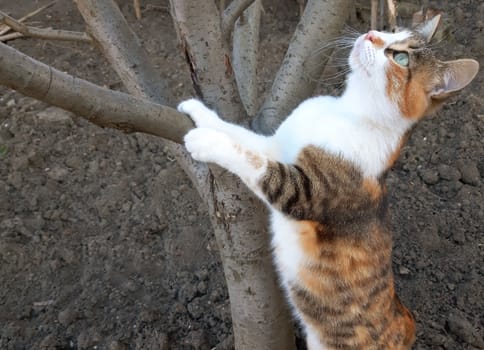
210, 39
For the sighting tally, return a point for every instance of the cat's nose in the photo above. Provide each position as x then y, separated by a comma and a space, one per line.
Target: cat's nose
371, 36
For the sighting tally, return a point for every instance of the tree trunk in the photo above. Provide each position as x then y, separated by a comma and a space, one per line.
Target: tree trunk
259, 314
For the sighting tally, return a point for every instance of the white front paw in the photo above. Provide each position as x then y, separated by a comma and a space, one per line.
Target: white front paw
208, 145
200, 114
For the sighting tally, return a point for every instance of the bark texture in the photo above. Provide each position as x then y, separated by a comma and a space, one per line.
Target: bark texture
260, 317
104, 107
302, 66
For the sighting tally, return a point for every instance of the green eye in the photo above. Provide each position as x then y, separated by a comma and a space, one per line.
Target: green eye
401, 57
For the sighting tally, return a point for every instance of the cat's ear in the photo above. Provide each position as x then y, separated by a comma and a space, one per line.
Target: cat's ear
429, 27
457, 75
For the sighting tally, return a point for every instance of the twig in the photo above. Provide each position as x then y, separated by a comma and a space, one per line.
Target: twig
392, 14
99, 105
295, 80
27, 16
11, 36
122, 48
244, 55
137, 9
374, 13
231, 13
41, 33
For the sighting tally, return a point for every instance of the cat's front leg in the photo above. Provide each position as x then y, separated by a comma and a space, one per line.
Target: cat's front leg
209, 145
202, 116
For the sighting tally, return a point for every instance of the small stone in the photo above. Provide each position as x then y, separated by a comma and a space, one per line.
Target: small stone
195, 309
49, 342
116, 345
226, 344
202, 287
459, 15
66, 316
459, 236
430, 177
448, 173
459, 326
58, 173
11, 103
470, 173
197, 339
55, 115
403, 270
187, 292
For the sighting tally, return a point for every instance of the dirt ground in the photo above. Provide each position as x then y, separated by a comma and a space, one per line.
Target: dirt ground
104, 244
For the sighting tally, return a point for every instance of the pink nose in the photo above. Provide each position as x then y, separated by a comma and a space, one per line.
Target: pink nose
371, 36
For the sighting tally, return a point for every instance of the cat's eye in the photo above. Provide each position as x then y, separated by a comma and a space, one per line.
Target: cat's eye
401, 57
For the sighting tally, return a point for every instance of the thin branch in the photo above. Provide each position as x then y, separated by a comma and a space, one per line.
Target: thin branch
231, 13
122, 48
137, 9
6, 29
392, 14
207, 55
104, 107
42, 33
303, 63
11, 36
244, 55
374, 14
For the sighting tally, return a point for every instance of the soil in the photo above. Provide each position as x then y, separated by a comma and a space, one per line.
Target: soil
104, 243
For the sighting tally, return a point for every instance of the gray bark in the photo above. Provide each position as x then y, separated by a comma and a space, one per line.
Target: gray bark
101, 106
245, 53
259, 315
302, 66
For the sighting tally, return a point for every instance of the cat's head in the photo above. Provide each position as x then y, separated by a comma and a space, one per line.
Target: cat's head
405, 70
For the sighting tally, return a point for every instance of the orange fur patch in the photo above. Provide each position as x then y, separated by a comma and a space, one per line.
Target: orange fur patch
415, 102
373, 188
378, 42
411, 95
255, 160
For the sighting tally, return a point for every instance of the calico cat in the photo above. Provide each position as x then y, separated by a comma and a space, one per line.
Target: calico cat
322, 173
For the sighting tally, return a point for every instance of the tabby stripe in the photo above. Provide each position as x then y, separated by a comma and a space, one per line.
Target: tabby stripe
293, 198
306, 184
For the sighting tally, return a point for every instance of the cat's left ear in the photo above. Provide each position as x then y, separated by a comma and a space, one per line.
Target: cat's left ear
428, 28
457, 75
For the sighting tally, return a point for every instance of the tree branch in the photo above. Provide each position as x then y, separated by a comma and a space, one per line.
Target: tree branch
244, 55
208, 55
231, 13
5, 29
41, 33
100, 106
296, 79
122, 48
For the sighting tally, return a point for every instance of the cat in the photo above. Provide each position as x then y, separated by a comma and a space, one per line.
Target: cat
322, 176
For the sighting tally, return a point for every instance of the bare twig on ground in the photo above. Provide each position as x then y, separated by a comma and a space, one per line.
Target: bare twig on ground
245, 53
123, 50
5, 29
137, 9
303, 63
42, 33
208, 55
392, 14
10, 36
100, 106
231, 13
374, 14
